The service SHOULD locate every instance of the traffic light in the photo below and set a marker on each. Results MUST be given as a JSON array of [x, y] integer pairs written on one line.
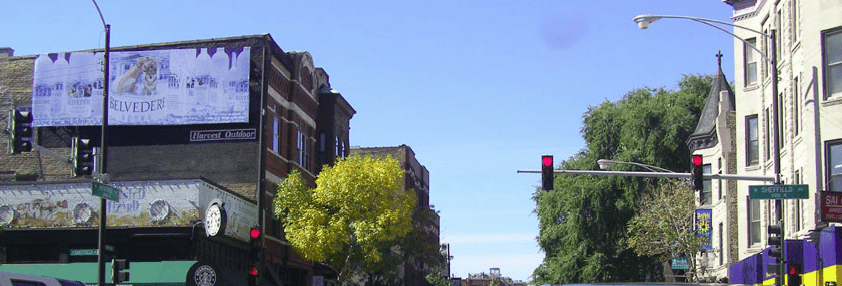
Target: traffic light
[[775, 241], [252, 276], [793, 272], [698, 173], [117, 267], [256, 250], [82, 157], [547, 172], [20, 131]]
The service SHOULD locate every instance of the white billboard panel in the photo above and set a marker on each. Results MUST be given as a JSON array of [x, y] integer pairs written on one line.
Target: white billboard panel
[[156, 87]]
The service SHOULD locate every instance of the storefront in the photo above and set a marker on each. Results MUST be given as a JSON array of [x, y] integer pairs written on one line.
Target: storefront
[[158, 226], [820, 261]]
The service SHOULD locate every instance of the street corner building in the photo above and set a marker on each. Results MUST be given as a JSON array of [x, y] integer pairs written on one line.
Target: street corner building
[[199, 133], [764, 125]]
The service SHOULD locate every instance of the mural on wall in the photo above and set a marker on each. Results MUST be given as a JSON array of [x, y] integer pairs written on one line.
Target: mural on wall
[[141, 204], [153, 87]]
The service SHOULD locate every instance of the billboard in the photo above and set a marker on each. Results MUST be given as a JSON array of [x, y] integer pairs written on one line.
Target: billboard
[[141, 204], [154, 87]]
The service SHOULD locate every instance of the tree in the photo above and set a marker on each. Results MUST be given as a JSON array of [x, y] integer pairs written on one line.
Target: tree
[[664, 226], [435, 279], [358, 209], [583, 222]]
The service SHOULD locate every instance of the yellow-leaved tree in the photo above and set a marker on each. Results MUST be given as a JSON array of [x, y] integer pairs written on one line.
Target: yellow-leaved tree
[[358, 208]]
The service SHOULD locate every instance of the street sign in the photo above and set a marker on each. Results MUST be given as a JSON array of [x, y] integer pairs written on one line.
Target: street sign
[[105, 191], [82, 252], [831, 206], [774, 192], [680, 263]]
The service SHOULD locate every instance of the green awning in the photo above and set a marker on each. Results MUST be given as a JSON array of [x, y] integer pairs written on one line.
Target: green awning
[[164, 273]]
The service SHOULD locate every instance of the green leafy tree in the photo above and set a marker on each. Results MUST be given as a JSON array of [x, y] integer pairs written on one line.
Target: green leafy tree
[[664, 226], [583, 223], [358, 209], [435, 279]]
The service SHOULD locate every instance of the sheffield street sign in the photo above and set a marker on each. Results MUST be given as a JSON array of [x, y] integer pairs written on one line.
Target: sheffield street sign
[[105, 191], [774, 192]]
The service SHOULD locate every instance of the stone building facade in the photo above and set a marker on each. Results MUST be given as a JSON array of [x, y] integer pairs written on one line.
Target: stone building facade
[[805, 38]]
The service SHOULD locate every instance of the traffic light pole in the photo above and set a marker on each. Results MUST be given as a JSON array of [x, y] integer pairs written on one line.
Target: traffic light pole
[[654, 174], [103, 151], [103, 207]]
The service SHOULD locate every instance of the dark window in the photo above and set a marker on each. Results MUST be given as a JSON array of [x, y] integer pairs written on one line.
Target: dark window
[[832, 52], [834, 165], [752, 141], [750, 61]]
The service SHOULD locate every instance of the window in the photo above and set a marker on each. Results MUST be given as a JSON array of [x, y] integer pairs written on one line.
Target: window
[[750, 61], [834, 166], [794, 21], [753, 221], [779, 36], [752, 142], [797, 204], [719, 187], [276, 135], [768, 136], [303, 148], [832, 50], [721, 245], [796, 109], [780, 121], [706, 195]]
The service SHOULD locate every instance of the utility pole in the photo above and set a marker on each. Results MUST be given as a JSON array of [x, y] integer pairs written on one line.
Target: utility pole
[[103, 207]]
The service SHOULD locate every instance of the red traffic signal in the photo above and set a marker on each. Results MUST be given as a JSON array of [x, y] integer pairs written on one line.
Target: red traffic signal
[[547, 172], [698, 179], [697, 160], [793, 269], [254, 233]]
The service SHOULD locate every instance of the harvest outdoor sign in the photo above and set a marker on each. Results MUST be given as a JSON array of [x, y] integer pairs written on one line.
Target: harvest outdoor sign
[[154, 87]]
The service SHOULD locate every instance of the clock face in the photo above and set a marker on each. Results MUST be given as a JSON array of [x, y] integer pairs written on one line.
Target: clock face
[[82, 213], [213, 220]]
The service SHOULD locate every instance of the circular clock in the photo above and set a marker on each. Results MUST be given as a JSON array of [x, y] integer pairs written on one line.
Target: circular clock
[[158, 211], [7, 214], [82, 213], [215, 218]]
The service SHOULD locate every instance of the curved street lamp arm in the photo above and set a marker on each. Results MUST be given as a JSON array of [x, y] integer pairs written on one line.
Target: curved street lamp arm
[[762, 54], [703, 20], [100, 14], [650, 167]]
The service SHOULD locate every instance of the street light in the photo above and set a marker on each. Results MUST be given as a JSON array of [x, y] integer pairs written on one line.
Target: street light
[[643, 22], [605, 163]]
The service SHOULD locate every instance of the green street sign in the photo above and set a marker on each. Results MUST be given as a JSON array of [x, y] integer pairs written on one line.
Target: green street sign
[[680, 263], [105, 191], [774, 192], [82, 252]]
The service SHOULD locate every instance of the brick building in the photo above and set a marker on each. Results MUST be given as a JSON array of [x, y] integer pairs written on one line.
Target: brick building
[[279, 115]]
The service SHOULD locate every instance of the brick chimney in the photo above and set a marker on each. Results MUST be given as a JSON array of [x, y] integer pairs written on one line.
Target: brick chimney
[[6, 52]]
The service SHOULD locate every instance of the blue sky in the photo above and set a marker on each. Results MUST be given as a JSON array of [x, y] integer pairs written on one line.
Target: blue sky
[[478, 89]]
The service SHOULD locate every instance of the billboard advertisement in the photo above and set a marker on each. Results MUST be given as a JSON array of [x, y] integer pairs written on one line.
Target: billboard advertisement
[[154, 87], [141, 204]]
